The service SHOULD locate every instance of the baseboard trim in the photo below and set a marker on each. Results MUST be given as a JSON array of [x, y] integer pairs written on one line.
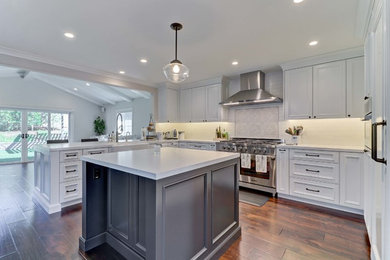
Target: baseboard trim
[[322, 204]]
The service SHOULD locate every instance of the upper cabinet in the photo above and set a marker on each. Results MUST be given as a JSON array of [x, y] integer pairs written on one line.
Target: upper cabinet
[[298, 93], [185, 105], [201, 104], [328, 90], [355, 87], [198, 104], [168, 101]]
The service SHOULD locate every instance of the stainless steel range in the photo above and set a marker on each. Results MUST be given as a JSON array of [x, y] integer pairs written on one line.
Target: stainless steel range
[[253, 150]]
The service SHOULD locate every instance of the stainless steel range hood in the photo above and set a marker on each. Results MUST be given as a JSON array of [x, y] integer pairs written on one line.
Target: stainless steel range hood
[[251, 91]]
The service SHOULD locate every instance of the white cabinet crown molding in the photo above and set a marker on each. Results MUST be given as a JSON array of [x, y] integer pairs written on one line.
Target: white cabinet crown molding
[[325, 58]]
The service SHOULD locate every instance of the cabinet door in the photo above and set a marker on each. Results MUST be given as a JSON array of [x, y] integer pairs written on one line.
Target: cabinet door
[[167, 104], [282, 171], [172, 105], [213, 96], [355, 87], [198, 104], [298, 85], [351, 180], [185, 105], [329, 90]]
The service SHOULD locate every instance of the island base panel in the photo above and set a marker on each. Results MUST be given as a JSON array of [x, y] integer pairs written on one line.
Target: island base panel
[[192, 215]]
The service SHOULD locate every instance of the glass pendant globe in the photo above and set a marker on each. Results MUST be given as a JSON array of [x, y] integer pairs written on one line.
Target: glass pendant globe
[[176, 72]]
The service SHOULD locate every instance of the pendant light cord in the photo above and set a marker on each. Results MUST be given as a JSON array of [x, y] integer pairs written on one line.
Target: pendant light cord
[[175, 43]]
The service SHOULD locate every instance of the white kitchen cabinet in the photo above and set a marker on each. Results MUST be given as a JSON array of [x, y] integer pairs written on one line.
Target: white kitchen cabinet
[[282, 171], [198, 104], [185, 105], [329, 90], [213, 96], [351, 180], [298, 93], [355, 87], [168, 101], [368, 191]]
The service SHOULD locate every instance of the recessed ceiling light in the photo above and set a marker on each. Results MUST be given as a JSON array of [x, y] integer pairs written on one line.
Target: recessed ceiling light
[[69, 35], [87, 84], [143, 60], [298, 1], [313, 43], [75, 89], [235, 63], [122, 72]]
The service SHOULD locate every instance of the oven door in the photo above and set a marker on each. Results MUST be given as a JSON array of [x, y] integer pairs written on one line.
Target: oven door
[[260, 178]]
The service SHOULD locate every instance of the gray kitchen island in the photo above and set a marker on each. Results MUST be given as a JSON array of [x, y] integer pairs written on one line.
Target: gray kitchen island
[[163, 203]]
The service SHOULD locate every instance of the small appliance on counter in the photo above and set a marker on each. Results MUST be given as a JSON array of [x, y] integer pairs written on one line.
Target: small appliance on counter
[[151, 129], [171, 135], [181, 135], [144, 133]]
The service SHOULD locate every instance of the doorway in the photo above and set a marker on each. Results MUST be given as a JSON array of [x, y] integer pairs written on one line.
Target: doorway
[[21, 130]]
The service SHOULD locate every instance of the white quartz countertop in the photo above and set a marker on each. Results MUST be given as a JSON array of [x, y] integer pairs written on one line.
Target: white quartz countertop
[[87, 145], [92, 145], [159, 165], [339, 148]]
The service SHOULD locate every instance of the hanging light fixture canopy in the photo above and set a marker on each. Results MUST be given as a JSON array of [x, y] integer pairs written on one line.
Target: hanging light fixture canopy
[[176, 71]]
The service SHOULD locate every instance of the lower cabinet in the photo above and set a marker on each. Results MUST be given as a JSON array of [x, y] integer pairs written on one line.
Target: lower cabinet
[[339, 181], [310, 189], [351, 180], [282, 168]]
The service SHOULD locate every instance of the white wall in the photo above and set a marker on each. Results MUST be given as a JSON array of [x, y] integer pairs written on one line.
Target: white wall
[[201, 131], [30, 93], [141, 108]]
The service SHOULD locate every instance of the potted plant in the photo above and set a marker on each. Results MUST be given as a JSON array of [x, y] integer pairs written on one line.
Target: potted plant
[[99, 126], [295, 132]]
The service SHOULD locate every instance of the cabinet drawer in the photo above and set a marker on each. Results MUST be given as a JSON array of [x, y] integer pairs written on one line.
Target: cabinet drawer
[[323, 172], [70, 155], [95, 151], [315, 155], [70, 170], [325, 192], [70, 191]]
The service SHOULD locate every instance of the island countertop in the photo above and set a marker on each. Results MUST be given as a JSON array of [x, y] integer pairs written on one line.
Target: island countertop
[[159, 165]]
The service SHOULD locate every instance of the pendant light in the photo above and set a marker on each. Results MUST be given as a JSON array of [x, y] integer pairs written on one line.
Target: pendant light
[[176, 71]]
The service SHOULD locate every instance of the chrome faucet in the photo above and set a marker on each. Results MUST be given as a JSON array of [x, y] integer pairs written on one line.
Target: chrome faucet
[[119, 129]]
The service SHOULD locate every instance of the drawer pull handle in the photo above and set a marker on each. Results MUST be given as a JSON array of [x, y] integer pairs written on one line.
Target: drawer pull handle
[[312, 155], [312, 190], [71, 190], [282, 150], [92, 153], [70, 171], [71, 155], [308, 170]]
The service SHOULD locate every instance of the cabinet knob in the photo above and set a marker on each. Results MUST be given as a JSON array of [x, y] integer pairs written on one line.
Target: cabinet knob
[[309, 116], [314, 116], [349, 115]]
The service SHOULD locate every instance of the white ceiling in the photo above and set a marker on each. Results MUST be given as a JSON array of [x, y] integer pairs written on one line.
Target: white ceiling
[[96, 93], [114, 35]]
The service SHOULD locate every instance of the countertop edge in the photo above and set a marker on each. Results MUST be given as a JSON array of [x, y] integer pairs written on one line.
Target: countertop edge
[[324, 148], [159, 175]]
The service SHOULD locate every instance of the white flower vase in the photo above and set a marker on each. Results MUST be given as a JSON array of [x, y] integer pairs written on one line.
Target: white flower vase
[[295, 139]]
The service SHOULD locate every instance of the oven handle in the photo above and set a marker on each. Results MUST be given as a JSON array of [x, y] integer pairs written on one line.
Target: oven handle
[[374, 142]]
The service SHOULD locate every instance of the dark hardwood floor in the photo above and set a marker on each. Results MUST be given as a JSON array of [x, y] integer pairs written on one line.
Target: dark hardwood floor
[[281, 229]]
